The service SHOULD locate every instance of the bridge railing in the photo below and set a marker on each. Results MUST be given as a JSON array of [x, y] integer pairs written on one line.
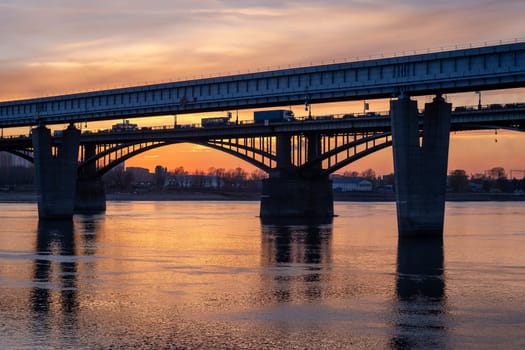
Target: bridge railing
[[459, 110]]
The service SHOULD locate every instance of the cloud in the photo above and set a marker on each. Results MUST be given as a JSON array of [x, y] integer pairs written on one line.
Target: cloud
[[64, 45]]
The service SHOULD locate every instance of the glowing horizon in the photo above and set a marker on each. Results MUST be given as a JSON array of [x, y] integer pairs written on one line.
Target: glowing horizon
[[53, 47]]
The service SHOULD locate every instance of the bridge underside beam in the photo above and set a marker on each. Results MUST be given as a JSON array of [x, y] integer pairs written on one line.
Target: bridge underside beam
[[420, 170]]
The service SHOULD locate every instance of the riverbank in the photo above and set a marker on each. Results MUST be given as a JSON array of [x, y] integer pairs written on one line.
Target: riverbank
[[450, 197], [17, 197], [28, 197]]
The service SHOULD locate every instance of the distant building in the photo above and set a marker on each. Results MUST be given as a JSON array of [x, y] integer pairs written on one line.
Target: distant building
[[475, 187], [140, 174], [161, 171], [185, 181], [350, 184], [161, 176]]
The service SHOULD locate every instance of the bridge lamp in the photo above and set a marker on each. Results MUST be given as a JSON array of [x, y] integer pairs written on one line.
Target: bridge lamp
[[479, 99], [307, 106]]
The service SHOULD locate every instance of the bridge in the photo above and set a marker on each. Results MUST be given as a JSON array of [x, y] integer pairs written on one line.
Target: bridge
[[297, 155]]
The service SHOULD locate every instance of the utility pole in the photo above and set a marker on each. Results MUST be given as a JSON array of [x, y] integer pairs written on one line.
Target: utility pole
[[517, 171]]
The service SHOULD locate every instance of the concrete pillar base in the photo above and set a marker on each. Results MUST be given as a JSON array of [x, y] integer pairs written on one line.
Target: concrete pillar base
[[55, 174], [90, 196], [420, 168], [296, 199]]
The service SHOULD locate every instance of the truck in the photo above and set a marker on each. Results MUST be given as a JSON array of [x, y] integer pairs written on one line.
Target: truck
[[124, 126], [216, 121], [274, 115]]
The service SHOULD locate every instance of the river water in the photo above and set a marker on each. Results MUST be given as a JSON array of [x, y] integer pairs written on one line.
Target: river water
[[208, 275]]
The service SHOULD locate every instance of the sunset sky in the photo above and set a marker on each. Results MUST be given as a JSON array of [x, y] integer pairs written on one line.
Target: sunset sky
[[56, 47]]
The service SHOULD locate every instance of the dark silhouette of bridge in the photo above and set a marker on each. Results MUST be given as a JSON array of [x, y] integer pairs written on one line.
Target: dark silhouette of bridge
[[342, 139], [299, 155]]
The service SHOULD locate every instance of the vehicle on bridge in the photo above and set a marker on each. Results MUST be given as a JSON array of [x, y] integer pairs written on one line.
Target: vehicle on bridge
[[124, 126], [275, 115], [216, 121], [324, 117]]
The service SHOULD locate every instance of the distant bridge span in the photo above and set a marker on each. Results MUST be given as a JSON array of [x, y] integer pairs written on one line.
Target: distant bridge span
[[483, 68], [345, 140]]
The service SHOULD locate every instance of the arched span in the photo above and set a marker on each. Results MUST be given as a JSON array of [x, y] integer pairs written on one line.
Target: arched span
[[244, 157], [260, 157], [517, 128], [339, 156], [24, 154], [356, 156], [113, 163], [138, 148]]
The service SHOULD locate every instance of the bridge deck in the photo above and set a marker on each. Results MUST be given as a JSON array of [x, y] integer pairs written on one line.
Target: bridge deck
[[484, 68], [509, 117]]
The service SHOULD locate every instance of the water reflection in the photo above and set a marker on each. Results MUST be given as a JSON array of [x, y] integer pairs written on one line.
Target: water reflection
[[55, 247], [55, 269], [301, 254], [89, 228], [420, 291]]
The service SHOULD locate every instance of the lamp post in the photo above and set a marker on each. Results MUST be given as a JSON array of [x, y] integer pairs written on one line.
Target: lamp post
[[479, 99], [307, 106]]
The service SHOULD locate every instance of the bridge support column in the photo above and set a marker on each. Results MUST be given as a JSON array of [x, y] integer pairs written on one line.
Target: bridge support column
[[90, 193], [284, 152], [90, 196], [290, 196], [55, 174], [420, 170], [296, 198]]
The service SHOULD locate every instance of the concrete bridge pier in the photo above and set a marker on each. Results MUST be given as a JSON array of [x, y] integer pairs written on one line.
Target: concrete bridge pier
[[420, 168], [289, 195], [55, 172], [90, 192], [90, 196]]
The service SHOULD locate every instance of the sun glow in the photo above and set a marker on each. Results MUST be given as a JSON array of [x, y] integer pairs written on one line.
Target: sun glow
[[94, 45]]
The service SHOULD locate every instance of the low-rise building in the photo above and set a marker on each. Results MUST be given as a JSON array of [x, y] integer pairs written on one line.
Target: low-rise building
[[350, 184]]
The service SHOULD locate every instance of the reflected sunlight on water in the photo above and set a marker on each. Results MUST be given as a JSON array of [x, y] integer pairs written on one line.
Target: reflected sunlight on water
[[199, 275]]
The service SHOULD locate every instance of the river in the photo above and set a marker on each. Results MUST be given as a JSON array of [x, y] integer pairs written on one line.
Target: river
[[208, 275]]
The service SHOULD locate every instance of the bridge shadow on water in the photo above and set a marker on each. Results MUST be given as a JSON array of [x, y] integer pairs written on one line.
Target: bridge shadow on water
[[303, 247], [420, 309], [299, 258], [54, 299]]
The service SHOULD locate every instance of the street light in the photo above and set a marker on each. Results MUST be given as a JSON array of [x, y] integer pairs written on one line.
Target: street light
[[307, 106], [479, 99]]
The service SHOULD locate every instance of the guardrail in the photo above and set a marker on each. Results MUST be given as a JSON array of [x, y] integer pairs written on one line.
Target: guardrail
[[308, 119]]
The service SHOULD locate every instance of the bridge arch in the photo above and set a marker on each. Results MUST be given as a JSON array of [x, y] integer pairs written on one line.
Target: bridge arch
[[109, 156], [24, 154], [338, 150], [259, 152]]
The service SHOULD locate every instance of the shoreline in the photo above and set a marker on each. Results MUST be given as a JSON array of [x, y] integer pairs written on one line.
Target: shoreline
[[31, 197]]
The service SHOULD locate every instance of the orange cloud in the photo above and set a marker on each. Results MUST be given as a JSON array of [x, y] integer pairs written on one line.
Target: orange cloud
[[54, 48]]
